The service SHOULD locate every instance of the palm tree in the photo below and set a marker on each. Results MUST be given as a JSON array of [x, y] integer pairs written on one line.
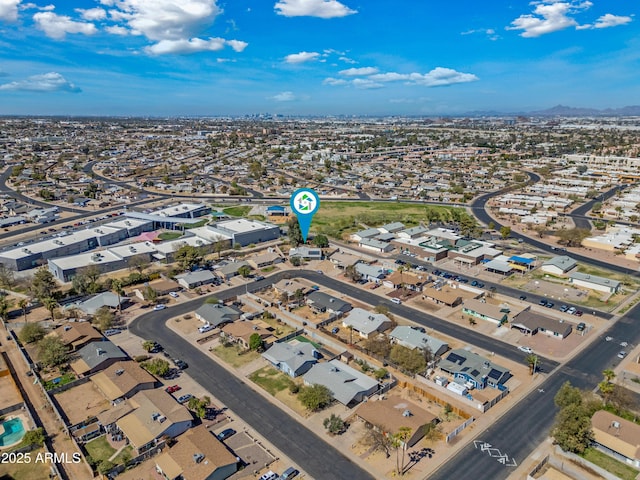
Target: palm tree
[[50, 304], [532, 361], [116, 286], [399, 442], [23, 303], [608, 375]]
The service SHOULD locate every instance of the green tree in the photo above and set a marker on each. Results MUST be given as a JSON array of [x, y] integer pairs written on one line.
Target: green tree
[[321, 241], [156, 366], [103, 318], [188, 257], [315, 397], [409, 360], [5, 306], [505, 232], [148, 345], [295, 235], [52, 352], [572, 237], [295, 261], [32, 332], [50, 304], [399, 442], [43, 284], [351, 273], [244, 271], [606, 386], [531, 360], [105, 466], [116, 287], [334, 424], [199, 406], [149, 293], [567, 395], [572, 429], [380, 373], [255, 341], [34, 437], [7, 278]]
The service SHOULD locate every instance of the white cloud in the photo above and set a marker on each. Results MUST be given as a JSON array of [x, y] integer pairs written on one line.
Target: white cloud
[[334, 81], [366, 83], [57, 26], [347, 60], [312, 8], [284, 97], [548, 16], [48, 82], [356, 72], [9, 10], [92, 14], [117, 30], [194, 45], [438, 77], [610, 20], [301, 57]]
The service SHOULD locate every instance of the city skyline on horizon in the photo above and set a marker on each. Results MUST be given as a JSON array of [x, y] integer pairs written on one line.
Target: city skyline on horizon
[[314, 57]]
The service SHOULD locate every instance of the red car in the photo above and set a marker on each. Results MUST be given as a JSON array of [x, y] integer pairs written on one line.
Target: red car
[[173, 388]]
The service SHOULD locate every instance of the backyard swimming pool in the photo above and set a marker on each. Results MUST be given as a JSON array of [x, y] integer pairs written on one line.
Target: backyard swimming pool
[[11, 431]]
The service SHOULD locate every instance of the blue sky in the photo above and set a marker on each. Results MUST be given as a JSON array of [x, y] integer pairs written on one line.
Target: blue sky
[[320, 57]]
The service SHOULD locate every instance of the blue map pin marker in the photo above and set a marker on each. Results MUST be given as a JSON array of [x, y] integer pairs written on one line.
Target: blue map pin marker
[[304, 203]]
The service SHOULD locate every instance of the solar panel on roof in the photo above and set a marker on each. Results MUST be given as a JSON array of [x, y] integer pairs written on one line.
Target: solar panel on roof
[[454, 357], [475, 373], [495, 374]]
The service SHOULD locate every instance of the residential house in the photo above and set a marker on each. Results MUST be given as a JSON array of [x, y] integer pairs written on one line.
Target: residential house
[[264, 260], [217, 314], [230, 270], [290, 287], [393, 412], [293, 358], [414, 337], [123, 380], [366, 323], [486, 311], [370, 273], [306, 253], [76, 335], [594, 282], [96, 356], [240, 332], [616, 437], [109, 300], [323, 302], [155, 414], [560, 265], [343, 260], [469, 367], [196, 454], [443, 296], [195, 279], [530, 322], [347, 385], [407, 280]]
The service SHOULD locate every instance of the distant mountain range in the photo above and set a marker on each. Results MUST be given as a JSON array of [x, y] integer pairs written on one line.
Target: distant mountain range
[[564, 111]]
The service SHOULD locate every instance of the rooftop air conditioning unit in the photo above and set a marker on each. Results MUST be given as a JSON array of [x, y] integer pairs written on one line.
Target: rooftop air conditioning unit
[[120, 371], [615, 424]]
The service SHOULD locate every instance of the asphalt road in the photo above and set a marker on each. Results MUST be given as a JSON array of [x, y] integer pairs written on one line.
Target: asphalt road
[[265, 417], [529, 422]]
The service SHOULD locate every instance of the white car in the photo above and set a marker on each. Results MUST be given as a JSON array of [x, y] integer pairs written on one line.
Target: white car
[[524, 349], [159, 307], [173, 294], [206, 328]]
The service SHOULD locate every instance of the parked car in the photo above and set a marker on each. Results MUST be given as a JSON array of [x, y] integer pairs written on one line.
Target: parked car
[[181, 364], [269, 476], [572, 310], [160, 306], [174, 294], [549, 305], [563, 308], [289, 473], [622, 354], [523, 297], [335, 330], [223, 435], [542, 302], [206, 328], [474, 283], [397, 301], [111, 331], [578, 313], [172, 388], [480, 285], [185, 398], [257, 278], [581, 326], [524, 349]]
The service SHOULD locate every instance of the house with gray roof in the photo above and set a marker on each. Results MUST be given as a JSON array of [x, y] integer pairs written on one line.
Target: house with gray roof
[[559, 265], [470, 367], [293, 358], [230, 270], [347, 385], [392, 227], [104, 299], [370, 272], [375, 245], [217, 314], [362, 234], [594, 282], [196, 279], [323, 302], [366, 323], [306, 253], [531, 322], [413, 232], [413, 337], [97, 356]]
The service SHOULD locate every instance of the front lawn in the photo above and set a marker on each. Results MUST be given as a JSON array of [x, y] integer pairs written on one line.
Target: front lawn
[[271, 380], [611, 465], [59, 381], [234, 356]]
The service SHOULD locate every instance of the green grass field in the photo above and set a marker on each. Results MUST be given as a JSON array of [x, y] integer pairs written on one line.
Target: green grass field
[[169, 235], [239, 211], [271, 380], [234, 356], [99, 449], [611, 465]]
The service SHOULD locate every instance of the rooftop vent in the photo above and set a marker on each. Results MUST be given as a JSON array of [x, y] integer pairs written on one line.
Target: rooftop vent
[[67, 328], [615, 424], [198, 457], [100, 351], [407, 413], [155, 416], [120, 371]]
